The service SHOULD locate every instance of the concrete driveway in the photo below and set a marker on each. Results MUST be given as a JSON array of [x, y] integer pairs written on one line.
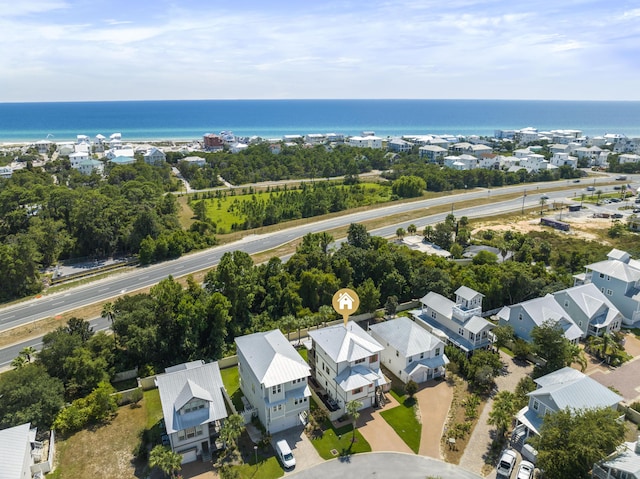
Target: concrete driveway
[[434, 400], [301, 447], [377, 432], [626, 378]]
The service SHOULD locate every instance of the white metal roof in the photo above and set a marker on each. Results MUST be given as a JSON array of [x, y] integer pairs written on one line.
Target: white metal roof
[[406, 336], [13, 450], [345, 343], [179, 387], [272, 358]]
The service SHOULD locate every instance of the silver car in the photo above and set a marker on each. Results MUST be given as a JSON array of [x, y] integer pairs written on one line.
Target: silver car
[[525, 470]]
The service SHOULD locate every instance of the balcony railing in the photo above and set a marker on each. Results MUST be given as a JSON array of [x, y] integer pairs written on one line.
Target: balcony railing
[[464, 314]]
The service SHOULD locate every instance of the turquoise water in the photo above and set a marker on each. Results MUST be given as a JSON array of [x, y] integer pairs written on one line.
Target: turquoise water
[[187, 120]]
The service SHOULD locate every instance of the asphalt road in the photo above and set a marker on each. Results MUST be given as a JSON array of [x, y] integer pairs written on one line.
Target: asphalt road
[[385, 465], [119, 284]]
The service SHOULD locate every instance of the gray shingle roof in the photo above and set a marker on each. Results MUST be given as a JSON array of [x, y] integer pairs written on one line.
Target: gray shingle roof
[[406, 336], [272, 358], [345, 343], [13, 448], [179, 387]]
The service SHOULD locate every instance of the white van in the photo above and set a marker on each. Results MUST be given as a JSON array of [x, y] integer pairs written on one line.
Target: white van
[[285, 454]]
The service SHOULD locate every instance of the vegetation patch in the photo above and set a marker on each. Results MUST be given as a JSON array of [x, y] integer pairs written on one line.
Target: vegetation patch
[[404, 421], [327, 439], [231, 381]]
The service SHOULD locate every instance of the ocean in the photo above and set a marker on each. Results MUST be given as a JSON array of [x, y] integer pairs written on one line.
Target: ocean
[[189, 120]]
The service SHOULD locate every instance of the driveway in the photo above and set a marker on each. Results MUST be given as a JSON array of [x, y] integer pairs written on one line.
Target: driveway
[[626, 378], [479, 444], [377, 432], [304, 452], [434, 400], [385, 465]]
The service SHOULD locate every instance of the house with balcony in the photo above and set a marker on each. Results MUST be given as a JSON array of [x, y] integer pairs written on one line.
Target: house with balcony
[[525, 316], [433, 153], [273, 378], [154, 156], [589, 309], [458, 322], [345, 366], [193, 407], [398, 145], [618, 278], [624, 463], [366, 141], [566, 388], [410, 351]]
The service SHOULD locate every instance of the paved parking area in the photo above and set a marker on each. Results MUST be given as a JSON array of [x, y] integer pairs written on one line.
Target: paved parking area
[[301, 447], [626, 378]]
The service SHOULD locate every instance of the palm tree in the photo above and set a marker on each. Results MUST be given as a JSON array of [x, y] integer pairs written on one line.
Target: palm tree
[[28, 352], [505, 406], [576, 355], [166, 460], [108, 312], [18, 362], [232, 429], [353, 410], [288, 323], [428, 232], [598, 195], [543, 201], [400, 232], [582, 197], [411, 229], [326, 314]]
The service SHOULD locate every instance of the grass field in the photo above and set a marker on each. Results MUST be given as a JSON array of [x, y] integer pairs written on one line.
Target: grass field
[[403, 419], [224, 210], [231, 381], [338, 442]]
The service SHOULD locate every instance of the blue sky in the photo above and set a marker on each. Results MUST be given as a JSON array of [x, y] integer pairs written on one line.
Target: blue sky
[[75, 50]]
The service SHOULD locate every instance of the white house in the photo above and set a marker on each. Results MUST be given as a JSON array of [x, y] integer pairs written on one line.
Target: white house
[[433, 153], [457, 322], [410, 351], [462, 162], [22, 456], [6, 171], [399, 145], [154, 156], [564, 159], [112, 153], [618, 278], [624, 463], [273, 378], [628, 158], [89, 166], [193, 407], [366, 141], [345, 364], [566, 388]]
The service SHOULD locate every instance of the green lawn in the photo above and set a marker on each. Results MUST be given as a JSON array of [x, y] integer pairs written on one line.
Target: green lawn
[[303, 352], [339, 440], [268, 468], [153, 406], [231, 381], [404, 422]]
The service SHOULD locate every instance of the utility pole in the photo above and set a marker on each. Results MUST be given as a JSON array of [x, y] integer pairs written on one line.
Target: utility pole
[[523, 198]]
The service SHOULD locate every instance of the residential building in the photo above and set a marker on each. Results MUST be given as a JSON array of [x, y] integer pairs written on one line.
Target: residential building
[[273, 378], [589, 309], [566, 388], [410, 351], [22, 456], [419, 243], [154, 157], [628, 158], [193, 407], [6, 171], [433, 153], [213, 142], [524, 316], [462, 162], [345, 365], [564, 159], [238, 147], [618, 277], [465, 148], [314, 138], [366, 141], [624, 463], [114, 153], [399, 145], [194, 160], [89, 166], [456, 322]]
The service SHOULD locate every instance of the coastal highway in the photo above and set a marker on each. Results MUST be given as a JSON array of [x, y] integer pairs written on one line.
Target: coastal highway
[[118, 284]]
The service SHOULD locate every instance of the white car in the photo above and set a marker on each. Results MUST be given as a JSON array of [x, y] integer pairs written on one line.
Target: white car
[[525, 470], [506, 464], [285, 454]]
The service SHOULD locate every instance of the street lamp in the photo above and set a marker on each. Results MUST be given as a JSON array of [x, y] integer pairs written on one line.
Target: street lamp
[[255, 450]]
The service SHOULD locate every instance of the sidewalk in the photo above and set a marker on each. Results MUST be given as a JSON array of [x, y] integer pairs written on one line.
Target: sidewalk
[[473, 458]]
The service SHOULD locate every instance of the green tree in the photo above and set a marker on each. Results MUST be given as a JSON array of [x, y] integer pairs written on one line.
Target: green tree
[[29, 394], [503, 335], [505, 406], [358, 236], [369, 296], [550, 344], [232, 429], [400, 233], [353, 410], [391, 306], [411, 388], [411, 229], [408, 186], [166, 460], [571, 442]]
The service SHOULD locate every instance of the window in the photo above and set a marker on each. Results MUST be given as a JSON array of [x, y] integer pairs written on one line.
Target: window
[[373, 358], [609, 292], [602, 275], [433, 314], [437, 351], [421, 355], [360, 361], [608, 278], [356, 391], [566, 303], [484, 334], [520, 316], [461, 331], [397, 354], [472, 336], [535, 405]]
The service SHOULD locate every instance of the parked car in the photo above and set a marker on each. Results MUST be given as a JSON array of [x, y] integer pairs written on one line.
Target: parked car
[[636, 210], [591, 188], [621, 178], [617, 215], [285, 454], [506, 464], [525, 470]]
